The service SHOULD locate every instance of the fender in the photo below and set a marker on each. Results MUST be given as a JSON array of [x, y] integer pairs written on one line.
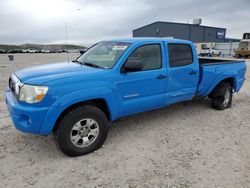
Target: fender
[[76, 97], [221, 78]]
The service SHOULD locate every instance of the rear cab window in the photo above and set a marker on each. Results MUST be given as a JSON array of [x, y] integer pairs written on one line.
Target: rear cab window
[[179, 55]]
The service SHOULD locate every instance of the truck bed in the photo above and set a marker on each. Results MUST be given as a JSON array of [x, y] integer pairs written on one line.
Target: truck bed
[[212, 71], [207, 61]]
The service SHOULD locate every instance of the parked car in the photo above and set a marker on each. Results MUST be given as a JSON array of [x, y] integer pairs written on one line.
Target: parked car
[[45, 51], [2, 51], [77, 100], [210, 52], [30, 50], [82, 51], [55, 51], [13, 51]]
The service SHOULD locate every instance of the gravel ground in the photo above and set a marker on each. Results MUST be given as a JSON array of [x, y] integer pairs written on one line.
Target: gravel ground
[[184, 145]]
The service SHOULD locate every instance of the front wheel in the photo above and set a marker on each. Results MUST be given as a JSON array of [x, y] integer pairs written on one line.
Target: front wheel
[[82, 130], [222, 96]]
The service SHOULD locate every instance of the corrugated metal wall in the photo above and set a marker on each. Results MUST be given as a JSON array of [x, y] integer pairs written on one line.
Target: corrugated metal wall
[[227, 49], [195, 33]]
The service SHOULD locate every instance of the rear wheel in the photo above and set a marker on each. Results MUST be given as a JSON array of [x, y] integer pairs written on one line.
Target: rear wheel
[[237, 56], [222, 96], [82, 130]]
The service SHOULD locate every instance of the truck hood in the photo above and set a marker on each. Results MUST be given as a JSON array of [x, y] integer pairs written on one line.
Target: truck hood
[[40, 74]]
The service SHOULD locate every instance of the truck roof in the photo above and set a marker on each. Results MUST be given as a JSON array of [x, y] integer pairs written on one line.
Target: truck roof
[[143, 39]]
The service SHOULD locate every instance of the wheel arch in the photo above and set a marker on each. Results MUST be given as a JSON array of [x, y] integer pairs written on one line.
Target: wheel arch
[[230, 80], [100, 97], [100, 103]]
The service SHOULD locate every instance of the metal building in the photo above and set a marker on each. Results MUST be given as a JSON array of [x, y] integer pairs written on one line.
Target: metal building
[[194, 32]]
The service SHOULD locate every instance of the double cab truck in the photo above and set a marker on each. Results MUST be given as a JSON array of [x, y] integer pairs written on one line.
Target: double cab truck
[[77, 100]]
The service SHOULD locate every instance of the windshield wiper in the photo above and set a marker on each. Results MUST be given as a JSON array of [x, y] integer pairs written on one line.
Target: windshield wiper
[[93, 65], [89, 64]]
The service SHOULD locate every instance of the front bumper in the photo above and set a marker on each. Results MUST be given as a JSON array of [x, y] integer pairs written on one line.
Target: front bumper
[[26, 118]]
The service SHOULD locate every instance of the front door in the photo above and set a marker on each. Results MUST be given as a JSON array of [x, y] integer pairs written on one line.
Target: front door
[[143, 89]]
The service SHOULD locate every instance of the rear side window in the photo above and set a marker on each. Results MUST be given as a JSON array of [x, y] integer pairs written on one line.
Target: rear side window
[[149, 55], [180, 55]]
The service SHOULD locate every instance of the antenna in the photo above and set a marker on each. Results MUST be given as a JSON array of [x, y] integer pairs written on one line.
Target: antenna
[[66, 32], [66, 35]]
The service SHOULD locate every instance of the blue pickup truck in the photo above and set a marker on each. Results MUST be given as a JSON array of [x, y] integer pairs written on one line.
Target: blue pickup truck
[[76, 100]]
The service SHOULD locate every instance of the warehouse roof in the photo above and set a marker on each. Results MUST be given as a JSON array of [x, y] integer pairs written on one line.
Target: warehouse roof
[[162, 22]]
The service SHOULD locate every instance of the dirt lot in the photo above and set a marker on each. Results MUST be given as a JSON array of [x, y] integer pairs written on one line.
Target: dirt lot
[[184, 145]]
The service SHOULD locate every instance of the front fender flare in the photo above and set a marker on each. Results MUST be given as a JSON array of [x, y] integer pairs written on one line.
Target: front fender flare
[[58, 107]]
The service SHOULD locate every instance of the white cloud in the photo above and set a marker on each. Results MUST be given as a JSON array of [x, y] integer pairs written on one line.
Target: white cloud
[[89, 21]]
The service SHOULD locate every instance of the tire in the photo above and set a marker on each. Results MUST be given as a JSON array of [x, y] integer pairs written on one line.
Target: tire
[[73, 132], [237, 56], [222, 96]]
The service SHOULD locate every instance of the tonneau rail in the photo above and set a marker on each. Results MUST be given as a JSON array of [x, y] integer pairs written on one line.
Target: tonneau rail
[[214, 61]]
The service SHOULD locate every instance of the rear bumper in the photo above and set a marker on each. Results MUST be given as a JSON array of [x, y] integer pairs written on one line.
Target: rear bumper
[[26, 118]]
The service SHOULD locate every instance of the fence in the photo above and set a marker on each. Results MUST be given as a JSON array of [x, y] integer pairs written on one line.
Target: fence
[[227, 49]]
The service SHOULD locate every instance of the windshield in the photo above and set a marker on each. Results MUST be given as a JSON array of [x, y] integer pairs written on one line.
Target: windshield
[[243, 44], [103, 54]]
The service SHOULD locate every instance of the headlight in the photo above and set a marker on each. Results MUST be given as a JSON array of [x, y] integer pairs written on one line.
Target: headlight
[[32, 94]]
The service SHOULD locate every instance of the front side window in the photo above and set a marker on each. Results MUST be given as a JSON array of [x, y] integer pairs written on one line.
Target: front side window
[[180, 55], [104, 54], [149, 55]]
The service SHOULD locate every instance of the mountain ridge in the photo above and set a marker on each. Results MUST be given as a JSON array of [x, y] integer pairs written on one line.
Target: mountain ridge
[[41, 46]]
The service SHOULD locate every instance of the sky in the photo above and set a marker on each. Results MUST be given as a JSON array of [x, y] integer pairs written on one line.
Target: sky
[[89, 21]]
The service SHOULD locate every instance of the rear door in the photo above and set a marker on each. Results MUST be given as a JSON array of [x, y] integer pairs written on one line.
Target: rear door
[[183, 73], [144, 89]]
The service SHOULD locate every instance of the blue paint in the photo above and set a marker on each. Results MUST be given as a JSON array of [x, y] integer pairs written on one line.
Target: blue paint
[[124, 93]]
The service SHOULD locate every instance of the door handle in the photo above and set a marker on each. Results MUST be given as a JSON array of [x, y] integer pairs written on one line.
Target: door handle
[[161, 76], [192, 72]]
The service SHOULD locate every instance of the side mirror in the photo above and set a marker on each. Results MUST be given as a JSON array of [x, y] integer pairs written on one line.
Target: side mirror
[[132, 66]]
